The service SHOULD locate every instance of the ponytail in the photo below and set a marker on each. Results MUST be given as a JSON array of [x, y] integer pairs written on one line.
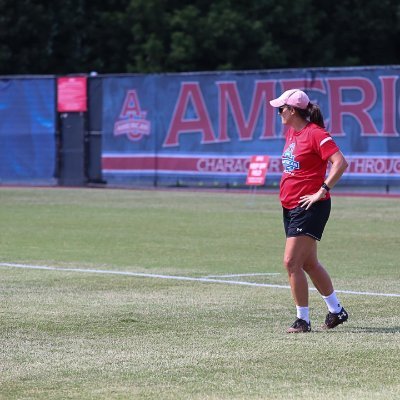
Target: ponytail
[[315, 115]]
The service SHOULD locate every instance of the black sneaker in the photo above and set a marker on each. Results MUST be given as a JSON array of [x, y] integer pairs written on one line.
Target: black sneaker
[[299, 326], [332, 320]]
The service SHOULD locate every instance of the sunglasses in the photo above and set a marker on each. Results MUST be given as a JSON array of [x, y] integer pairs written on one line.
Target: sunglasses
[[280, 109]]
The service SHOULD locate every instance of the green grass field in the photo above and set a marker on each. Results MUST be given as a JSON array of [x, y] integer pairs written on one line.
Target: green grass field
[[83, 335]]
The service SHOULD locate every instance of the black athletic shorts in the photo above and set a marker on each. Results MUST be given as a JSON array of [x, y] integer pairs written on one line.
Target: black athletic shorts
[[311, 222]]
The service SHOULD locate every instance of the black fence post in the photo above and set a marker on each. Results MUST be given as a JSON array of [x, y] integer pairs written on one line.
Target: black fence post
[[72, 149], [94, 131]]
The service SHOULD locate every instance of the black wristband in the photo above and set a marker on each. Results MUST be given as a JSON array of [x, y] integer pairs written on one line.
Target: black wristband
[[326, 187]]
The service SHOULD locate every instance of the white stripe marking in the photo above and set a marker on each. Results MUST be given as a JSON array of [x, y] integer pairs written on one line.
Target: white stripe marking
[[325, 140], [238, 275], [181, 278]]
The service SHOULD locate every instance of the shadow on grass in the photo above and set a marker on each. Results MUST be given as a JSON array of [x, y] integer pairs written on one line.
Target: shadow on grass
[[130, 321]]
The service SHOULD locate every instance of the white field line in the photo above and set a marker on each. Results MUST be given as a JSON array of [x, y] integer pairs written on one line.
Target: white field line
[[241, 275], [180, 278]]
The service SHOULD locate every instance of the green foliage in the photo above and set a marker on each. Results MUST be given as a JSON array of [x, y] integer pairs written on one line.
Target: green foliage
[[118, 36]]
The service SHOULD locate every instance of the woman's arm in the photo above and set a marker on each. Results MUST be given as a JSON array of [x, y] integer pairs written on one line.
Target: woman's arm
[[339, 165]]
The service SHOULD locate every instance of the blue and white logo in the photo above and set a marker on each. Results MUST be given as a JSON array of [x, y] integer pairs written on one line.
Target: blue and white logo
[[288, 161]]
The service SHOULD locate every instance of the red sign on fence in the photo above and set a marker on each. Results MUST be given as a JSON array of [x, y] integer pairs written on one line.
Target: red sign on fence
[[71, 94], [257, 170]]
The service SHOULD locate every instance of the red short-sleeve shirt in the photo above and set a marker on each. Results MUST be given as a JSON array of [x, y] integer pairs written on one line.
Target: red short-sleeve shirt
[[305, 160]]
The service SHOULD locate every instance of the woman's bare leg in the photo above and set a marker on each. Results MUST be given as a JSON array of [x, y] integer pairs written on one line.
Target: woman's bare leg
[[297, 250], [318, 274]]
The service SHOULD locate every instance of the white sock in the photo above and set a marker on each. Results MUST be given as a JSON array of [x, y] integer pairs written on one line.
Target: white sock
[[333, 303], [303, 313]]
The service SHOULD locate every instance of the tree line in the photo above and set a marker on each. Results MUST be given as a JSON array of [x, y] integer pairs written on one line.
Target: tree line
[[154, 36]]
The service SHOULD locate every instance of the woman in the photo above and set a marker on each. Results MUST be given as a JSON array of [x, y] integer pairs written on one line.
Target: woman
[[305, 198]]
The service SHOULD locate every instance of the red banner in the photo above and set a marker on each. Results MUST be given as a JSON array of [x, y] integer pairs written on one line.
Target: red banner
[[237, 165], [257, 170], [71, 94]]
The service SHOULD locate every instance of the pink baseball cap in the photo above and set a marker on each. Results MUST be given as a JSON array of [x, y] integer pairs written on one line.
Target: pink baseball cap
[[293, 97]]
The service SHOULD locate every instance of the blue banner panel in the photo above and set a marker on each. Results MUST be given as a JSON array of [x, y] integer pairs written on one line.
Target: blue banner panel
[[203, 127], [27, 130]]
